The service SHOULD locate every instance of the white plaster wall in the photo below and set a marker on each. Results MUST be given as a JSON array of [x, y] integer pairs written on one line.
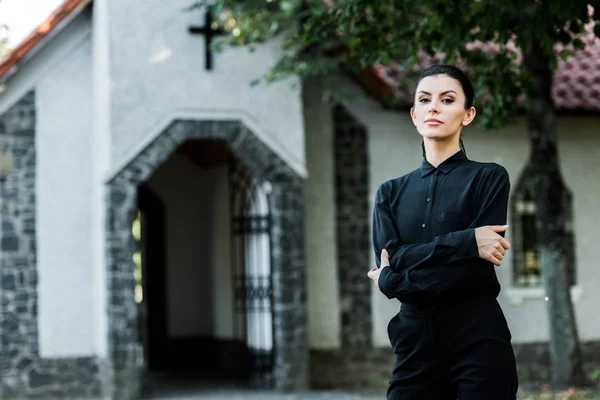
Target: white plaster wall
[[67, 85], [43, 61], [394, 148], [101, 157], [324, 323], [197, 243], [63, 178], [157, 74]]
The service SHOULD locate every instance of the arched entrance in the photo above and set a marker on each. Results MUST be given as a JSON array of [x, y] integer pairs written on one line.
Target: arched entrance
[[269, 271]]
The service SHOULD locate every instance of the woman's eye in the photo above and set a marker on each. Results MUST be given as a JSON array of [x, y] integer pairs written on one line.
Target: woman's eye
[[448, 101], [424, 100]]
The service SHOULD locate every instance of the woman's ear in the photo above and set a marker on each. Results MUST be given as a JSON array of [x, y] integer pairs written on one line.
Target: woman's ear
[[469, 116], [412, 116]]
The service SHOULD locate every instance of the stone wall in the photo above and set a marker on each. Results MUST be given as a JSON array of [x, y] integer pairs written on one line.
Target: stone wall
[[360, 370], [370, 371], [357, 365], [353, 235], [22, 372], [287, 240]]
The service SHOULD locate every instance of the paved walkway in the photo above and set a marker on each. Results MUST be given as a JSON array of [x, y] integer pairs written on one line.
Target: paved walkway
[[229, 394], [177, 387]]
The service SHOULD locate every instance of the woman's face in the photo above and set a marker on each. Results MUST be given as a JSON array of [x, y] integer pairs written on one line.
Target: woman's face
[[439, 109]]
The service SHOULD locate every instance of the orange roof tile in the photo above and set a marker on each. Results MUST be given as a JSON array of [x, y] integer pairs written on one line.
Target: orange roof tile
[[13, 57]]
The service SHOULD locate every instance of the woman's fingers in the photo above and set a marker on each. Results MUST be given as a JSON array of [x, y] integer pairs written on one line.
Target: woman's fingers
[[492, 258], [492, 246], [501, 250], [385, 261], [374, 275], [504, 243]]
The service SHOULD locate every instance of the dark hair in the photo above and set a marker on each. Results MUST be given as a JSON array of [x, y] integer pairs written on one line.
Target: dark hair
[[462, 79], [455, 73]]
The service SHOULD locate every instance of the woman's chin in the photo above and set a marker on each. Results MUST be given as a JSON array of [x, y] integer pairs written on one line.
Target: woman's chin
[[436, 135]]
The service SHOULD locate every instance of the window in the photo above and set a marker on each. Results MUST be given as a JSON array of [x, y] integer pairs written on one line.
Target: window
[[527, 268]]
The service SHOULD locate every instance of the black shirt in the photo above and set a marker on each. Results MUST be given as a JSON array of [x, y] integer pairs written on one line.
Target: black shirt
[[426, 221]]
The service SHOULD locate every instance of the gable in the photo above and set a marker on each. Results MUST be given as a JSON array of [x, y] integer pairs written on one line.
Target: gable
[[36, 39]]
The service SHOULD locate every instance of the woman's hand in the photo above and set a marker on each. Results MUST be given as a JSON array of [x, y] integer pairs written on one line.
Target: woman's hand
[[374, 273], [492, 247]]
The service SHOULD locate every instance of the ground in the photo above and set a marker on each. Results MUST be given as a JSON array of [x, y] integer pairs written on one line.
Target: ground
[[568, 395], [175, 387], [235, 394], [258, 395], [226, 394]]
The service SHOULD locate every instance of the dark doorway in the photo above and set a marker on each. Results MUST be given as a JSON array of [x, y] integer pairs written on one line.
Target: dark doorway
[[151, 277], [204, 316]]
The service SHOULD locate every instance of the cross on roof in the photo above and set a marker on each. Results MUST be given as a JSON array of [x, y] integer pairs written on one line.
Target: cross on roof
[[209, 34]]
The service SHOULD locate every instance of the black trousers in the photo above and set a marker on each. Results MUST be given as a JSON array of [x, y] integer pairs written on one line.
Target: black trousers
[[458, 350]]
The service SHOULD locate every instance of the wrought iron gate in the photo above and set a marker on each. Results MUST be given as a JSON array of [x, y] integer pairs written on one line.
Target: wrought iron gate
[[251, 262]]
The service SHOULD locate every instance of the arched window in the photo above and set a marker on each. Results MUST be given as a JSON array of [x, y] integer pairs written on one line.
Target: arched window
[[527, 268]]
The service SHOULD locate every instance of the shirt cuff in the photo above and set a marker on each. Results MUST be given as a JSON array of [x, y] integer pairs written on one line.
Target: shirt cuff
[[383, 282], [463, 242]]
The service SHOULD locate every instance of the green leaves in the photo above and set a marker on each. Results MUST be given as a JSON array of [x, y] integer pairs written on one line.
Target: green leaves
[[324, 37]]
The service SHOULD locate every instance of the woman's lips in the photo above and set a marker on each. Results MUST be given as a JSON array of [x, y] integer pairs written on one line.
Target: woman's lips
[[433, 122]]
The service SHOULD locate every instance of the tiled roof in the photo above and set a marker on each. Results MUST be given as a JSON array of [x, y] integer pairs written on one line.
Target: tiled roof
[[68, 7], [576, 83], [577, 80]]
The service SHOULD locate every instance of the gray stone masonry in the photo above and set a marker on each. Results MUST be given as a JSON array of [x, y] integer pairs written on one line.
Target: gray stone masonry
[[353, 235], [287, 210], [23, 374]]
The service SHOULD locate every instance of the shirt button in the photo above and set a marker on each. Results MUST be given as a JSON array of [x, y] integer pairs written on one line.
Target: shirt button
[[423, 225], [428, 199]]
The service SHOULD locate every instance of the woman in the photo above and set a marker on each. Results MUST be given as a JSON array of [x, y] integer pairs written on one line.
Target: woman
[[438, 233]]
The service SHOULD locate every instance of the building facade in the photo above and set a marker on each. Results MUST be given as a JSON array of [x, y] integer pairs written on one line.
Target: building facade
[[151, 202]]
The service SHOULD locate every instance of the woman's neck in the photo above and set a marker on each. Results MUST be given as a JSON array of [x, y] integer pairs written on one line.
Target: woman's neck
[[437, 152]]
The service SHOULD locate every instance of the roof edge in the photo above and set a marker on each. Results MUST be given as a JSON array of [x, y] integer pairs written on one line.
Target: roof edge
[[67, 10]]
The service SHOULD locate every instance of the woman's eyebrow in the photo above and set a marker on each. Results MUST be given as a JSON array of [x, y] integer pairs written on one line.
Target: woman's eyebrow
[[443, 93]]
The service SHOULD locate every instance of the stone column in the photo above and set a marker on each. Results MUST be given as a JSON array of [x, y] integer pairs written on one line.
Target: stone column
[[289, 291], [353, 235]]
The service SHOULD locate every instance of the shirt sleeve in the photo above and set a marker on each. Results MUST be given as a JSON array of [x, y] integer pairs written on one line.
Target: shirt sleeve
[[443, 249], [492, 196]]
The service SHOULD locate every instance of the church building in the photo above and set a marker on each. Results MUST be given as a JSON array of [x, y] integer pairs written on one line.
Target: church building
[[162, 215]]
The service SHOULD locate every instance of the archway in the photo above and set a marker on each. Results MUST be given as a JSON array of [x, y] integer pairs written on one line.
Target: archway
[[286, 236]]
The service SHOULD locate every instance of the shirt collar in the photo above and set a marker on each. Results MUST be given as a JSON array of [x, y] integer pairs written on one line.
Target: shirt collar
[[448, 165]]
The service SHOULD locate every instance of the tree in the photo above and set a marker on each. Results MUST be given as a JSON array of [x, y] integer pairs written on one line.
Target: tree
[[511, 49]]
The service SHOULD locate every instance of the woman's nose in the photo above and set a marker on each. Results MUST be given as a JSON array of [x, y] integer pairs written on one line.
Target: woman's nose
[[433, 107]]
